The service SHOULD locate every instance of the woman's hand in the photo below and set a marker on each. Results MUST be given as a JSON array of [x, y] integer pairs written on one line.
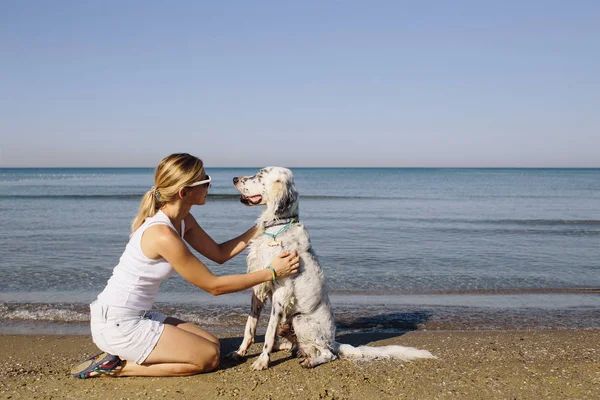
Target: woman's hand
[[286, 264]]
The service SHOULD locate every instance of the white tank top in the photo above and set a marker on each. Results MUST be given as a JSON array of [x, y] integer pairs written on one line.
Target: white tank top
[[135, 280]]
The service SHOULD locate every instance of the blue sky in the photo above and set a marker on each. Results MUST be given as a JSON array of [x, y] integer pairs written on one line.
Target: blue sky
[[301, 83]]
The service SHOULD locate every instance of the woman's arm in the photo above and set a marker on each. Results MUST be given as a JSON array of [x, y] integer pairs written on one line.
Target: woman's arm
[[162, 241], [205, 245]]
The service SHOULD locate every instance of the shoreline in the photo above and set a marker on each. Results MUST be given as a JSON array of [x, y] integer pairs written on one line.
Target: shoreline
[[376, 316], [532, 364]]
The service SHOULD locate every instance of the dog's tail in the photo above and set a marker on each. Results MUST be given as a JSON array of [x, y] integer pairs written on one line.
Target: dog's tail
[[381, 352]]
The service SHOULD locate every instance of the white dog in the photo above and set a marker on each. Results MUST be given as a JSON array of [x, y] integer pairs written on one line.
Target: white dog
[[299, 303]]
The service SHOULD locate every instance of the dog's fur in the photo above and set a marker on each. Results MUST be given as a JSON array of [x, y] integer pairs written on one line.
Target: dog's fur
[[300, 303]]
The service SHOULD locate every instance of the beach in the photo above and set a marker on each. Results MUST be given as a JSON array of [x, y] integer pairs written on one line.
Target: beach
[[434, 167], [494, 271], [529, 364]]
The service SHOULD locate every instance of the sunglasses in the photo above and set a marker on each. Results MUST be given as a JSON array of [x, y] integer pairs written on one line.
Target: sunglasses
[[205, 182]]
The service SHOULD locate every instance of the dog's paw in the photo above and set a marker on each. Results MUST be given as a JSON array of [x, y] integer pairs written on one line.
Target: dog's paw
[[234, 355], [301, 354], [307, 363], [261, 364]]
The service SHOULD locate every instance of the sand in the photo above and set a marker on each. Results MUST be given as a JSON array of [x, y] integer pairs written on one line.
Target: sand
[[558, 364]]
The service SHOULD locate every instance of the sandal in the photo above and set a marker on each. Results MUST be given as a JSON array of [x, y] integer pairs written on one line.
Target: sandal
[[99, 364]]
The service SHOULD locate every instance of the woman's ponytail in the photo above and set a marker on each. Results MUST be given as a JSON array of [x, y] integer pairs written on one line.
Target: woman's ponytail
[[148, 208]]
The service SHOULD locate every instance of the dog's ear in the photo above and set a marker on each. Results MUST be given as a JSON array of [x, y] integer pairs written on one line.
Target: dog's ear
[[285, 198]]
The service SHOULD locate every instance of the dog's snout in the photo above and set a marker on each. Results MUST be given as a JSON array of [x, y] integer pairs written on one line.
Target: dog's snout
[[235, 180]]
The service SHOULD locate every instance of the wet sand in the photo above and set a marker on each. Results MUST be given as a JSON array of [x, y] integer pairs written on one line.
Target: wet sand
[[534, 364]]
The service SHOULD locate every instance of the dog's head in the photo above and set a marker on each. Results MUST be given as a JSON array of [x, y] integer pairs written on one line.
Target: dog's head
[[273, 187]]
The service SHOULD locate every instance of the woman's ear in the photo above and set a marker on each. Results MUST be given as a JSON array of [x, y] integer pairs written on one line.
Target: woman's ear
[[183, 192]]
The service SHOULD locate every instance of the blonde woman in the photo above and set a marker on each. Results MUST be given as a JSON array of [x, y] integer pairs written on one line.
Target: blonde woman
[[140, 342]]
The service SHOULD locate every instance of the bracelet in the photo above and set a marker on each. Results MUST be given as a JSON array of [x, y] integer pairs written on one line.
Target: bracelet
[[272, 273]]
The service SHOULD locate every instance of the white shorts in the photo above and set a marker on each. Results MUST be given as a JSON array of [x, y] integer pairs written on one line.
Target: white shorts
[[125, 332]]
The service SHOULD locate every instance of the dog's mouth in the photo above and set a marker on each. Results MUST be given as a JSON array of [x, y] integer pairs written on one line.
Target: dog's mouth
[[251, 200]]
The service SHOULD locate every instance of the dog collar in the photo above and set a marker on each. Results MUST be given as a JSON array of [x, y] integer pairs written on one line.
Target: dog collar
[[273, 236], [280, 222]]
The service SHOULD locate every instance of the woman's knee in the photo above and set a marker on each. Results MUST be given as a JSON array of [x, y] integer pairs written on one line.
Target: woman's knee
[[206, 356], [214, 356], [209, 362], [209, 359], [214, 364]]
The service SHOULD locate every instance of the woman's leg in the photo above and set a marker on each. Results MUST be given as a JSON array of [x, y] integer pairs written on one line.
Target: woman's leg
[[192, 329], [180, 351]]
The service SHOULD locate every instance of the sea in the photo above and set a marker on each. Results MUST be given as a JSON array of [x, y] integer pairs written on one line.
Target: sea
[[402, 248]]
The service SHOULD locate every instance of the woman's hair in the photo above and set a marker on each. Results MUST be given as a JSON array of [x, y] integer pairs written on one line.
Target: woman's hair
[[173, 173]]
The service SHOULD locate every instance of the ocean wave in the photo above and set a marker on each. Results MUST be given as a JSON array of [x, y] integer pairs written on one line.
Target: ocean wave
[[125, 196], [497, 291], [521, 231], [222, 316], [44, 312], [137, 196], [44, 178], [505, 221], [543, 222], [378, 316], [346, 304]]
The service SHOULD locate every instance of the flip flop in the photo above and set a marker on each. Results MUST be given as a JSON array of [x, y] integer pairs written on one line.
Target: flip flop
[[99, 364]]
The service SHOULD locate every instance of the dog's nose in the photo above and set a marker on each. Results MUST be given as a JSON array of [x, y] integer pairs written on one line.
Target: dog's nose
[[235, 180]]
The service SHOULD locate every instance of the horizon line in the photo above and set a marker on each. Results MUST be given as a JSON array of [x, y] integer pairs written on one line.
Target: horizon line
[[309, 167]]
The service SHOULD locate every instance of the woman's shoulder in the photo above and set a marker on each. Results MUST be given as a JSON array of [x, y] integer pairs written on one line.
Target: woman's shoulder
[[158, 223], [160, 230], [159, 235]]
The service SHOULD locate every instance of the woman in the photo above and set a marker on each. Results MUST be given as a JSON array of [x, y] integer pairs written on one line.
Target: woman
[[139, 342]]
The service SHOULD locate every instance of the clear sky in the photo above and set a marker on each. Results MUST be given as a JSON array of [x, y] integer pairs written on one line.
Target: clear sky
[[300, 83]]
